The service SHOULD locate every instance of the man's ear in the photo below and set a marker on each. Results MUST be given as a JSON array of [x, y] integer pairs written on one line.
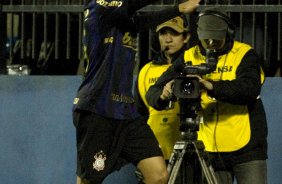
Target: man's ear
[[188, 36]]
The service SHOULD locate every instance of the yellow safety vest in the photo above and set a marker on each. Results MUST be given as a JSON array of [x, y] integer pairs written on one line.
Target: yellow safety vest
[[226, 127], [165, 123]]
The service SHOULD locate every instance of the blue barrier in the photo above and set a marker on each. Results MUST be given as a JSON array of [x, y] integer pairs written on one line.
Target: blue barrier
[[37, 137], [272, 98]]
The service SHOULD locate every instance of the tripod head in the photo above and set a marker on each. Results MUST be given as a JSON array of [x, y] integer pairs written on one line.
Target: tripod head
[[189, 150], [189, 118]]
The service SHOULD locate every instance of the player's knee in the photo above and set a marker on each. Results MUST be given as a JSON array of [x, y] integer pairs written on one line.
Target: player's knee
[[157, 178], [162, 178], [153, 170]]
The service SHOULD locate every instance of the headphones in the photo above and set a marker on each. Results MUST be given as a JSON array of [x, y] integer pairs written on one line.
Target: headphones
[[231, 29]]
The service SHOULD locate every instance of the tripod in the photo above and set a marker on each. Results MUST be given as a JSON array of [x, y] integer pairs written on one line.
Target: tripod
[[189, 151]]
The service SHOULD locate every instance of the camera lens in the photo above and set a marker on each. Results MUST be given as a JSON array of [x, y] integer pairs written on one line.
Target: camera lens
[[188, 87]]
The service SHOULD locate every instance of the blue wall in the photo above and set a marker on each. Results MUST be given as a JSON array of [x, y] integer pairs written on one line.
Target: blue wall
[[272, 99], [37, 137]]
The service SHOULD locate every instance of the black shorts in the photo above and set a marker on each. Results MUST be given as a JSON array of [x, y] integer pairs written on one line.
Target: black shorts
[[105, 145]]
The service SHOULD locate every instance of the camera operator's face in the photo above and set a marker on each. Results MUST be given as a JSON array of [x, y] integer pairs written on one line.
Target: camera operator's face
[[171, 41], [212, 44]]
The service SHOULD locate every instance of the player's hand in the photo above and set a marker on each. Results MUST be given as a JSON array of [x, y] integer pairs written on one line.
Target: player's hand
[[188, 6]]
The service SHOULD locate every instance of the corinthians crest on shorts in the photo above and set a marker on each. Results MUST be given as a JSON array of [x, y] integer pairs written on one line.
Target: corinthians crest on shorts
[[99, 161]]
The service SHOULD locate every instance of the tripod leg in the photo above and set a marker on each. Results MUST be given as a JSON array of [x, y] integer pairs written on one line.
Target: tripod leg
[[207, 170], [176, 160]]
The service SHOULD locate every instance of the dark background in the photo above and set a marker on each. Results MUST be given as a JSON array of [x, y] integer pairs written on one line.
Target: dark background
[[47, 34]]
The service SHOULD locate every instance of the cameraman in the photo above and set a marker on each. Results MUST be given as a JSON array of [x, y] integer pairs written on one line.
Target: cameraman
[[234, 131], [173, 36]]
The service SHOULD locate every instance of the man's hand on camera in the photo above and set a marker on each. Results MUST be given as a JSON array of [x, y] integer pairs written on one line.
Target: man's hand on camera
[[167, 91], [207, 84], [188, 6]]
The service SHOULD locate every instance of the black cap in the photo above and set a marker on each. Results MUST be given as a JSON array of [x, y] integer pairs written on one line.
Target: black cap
[[211, 25]]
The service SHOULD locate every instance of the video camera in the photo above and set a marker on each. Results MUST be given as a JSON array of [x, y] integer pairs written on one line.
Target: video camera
[[189, 87]]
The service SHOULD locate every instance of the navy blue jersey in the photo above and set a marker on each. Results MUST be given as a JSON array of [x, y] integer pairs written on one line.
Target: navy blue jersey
[[110, 38]]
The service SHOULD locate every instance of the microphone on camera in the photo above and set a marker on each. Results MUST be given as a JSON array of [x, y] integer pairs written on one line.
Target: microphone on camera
[[211, 59], [211, 56]]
